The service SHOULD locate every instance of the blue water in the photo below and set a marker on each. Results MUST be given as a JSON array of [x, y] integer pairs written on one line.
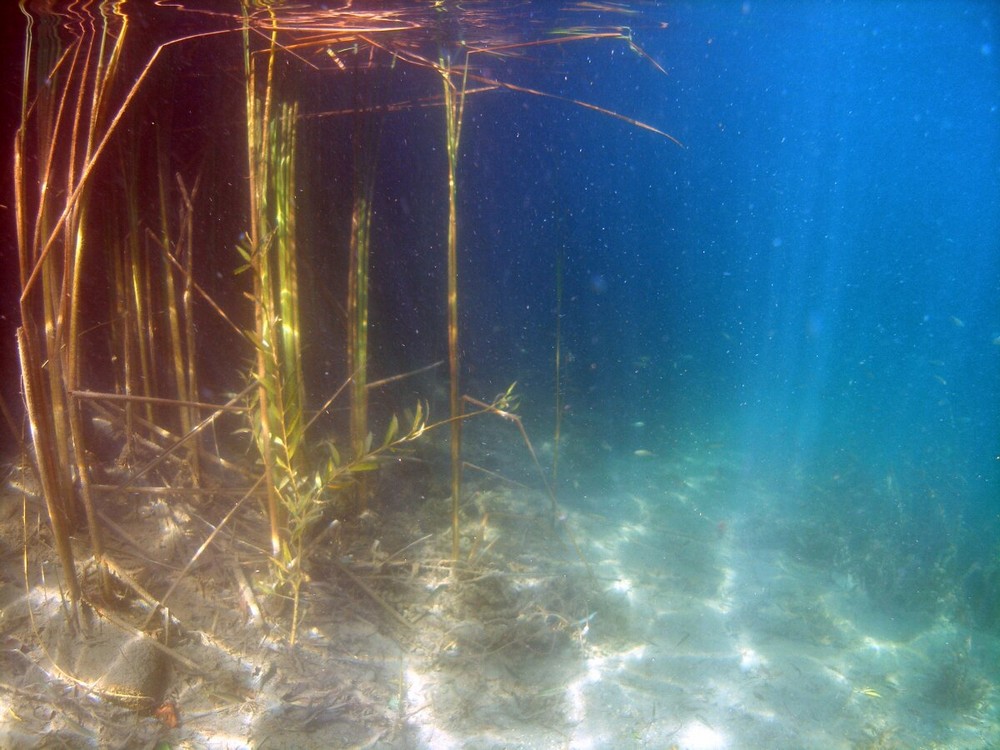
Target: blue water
[[811, 281]]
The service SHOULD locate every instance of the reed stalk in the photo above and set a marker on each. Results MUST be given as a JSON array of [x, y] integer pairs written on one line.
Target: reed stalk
[[177, 256], [283, 153], [45, 462], [187, 296], [105, 64], [364, 149], [64, 122], [294, 489], [179, 354], [454, 107], [557, 366], [135, 328], [120, 330], [256, 254]]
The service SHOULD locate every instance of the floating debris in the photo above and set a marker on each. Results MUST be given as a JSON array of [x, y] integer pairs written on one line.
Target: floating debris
[[643, 453]]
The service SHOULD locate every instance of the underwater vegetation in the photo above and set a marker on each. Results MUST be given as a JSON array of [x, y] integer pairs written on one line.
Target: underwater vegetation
[[904, 561], [166, 355], [268, 485], [955, 684]]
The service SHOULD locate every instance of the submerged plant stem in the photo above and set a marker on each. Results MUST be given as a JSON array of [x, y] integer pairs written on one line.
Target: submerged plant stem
[[454, 105]]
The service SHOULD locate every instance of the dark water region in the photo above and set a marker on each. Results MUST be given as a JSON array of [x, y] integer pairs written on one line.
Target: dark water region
[[762, 239]]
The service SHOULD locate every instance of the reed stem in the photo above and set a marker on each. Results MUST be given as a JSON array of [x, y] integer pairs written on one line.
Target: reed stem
[[364, 148], [558, 371], [454, 106]]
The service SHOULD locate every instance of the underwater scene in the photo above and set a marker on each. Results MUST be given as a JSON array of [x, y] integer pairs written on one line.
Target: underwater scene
[[500, 375]]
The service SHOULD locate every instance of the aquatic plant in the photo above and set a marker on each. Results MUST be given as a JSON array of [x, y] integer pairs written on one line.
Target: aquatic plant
[[955, 683], [454, 107], [88, 85], [364, 147], [167, 335], [66, 112]]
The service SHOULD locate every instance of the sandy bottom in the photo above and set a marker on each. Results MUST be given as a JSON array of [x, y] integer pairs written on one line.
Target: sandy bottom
[[670, 614]]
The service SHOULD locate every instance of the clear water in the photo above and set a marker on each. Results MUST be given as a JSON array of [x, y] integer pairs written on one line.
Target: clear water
[[787, 321]]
